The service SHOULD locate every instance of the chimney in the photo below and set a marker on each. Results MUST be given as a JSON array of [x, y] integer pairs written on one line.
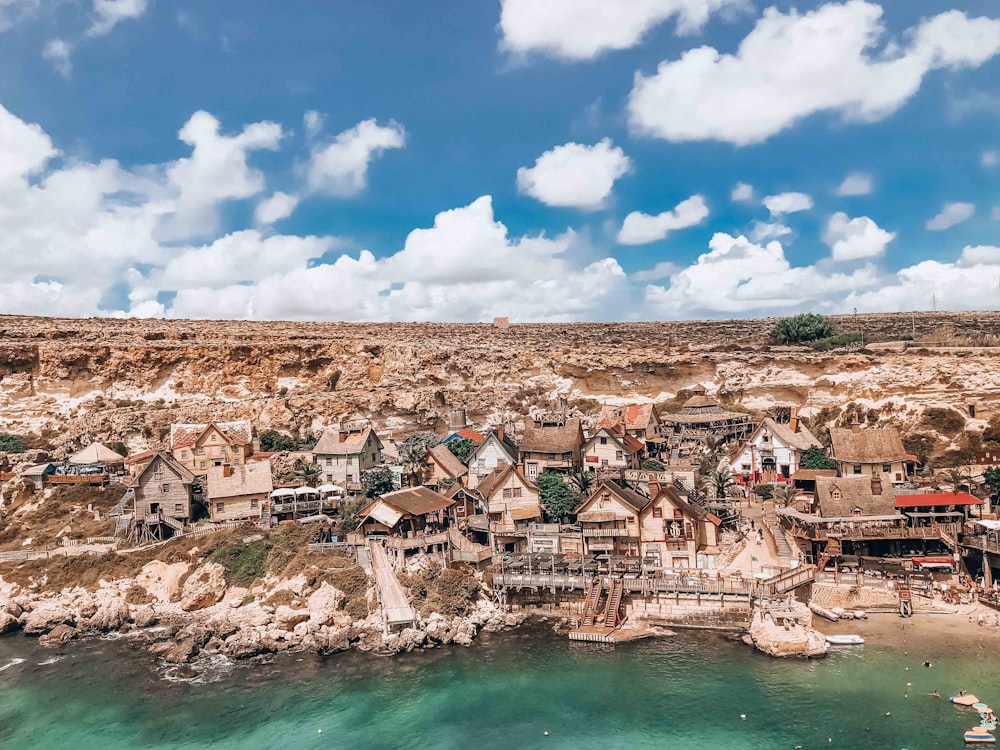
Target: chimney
[[855, 426], [876, 484], [500, 432], [793, 423]]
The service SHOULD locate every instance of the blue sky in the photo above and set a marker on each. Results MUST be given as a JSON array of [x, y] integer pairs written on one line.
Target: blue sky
[[542, 159]]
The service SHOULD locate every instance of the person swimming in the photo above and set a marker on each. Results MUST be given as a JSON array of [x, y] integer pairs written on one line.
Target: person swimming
[[936, 694], [929, 665]]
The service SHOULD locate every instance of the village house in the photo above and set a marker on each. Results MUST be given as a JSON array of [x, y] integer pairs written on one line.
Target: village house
[[200, 446], [442, 466], [641, 421], [239, 493], [610, 449], [551, 447], [609, 520], [164, 492], [773, 451], [495, 449], [413, 520], [346, 451], [511, 502], [859, 451], [677, 534], [467, 503], [700, 418]]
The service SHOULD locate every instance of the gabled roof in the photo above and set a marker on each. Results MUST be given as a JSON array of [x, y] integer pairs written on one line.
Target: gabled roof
[[631, 498], [138, 458], [330, 443], [868, 446], [239, 432], [447, 460], [627, 443], [801, 439], [506, 444], [565, 438], [855, 492], [496, 478], [246, 479], [417, 501], [466, 433], [686, 506], [96, 453], [180, 471], [631, 416]]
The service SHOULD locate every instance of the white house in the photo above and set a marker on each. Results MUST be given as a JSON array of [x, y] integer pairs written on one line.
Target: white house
[[495, 449], [773, 452]]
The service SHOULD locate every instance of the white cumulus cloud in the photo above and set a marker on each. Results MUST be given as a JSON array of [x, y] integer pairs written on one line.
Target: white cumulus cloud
[[109, 13], [275, 208], [951, 215], [795, 65], [57, 52], [856, 183], [341, 167], [787, 203], [854, 239], [574, 174], [763, 230], [640, 229], [742, 193], [584, 29]]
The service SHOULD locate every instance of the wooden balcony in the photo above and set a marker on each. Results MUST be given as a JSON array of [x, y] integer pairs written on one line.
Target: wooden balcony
[[984, 542], [92, 479], [604, 533], [302, 506], [873, 533], [417, 541]]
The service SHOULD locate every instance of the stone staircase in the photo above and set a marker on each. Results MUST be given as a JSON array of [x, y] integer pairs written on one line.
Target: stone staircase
[[774, 526]]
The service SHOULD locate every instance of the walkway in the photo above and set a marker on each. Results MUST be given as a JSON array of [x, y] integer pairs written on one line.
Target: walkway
[[395, 606]]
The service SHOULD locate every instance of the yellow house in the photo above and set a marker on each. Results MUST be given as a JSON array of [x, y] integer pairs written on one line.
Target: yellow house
[[610, 520], [239, 493], [864, 452], [442, 465], [197, 447]]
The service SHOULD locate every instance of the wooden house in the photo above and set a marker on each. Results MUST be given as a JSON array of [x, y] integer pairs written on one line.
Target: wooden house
[[610, 520], [554, 447], [641, 421], [164, 493], [200, 446], [512, 502], [344, 452], [700, 418], [773, 452], [239, 493], [677, 534], [608, 449], [864, 452], [441, 465], [495, 449], [466, 503]]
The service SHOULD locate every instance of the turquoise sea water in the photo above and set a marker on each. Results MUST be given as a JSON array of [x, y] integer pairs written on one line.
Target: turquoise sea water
[[686, 692]]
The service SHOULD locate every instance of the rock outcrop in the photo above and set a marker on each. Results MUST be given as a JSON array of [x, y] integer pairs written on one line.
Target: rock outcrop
[[792, 636], [204, 587]]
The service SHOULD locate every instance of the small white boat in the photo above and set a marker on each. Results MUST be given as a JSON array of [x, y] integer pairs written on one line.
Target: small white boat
[[845, 640]]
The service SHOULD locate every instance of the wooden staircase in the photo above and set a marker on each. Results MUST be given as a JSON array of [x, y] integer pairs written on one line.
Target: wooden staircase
[[833, 549], [612, 615], [593, 601]]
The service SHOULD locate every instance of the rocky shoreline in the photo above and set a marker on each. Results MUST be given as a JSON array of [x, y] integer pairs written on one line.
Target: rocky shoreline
[[179, 615]]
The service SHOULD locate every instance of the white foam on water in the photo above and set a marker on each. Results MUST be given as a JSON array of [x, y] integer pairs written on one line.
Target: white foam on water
[[207, 669], [53, 660], [12, 663]]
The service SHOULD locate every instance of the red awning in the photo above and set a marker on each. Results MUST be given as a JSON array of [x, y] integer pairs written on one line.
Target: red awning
[[933, 560], [937, 498]]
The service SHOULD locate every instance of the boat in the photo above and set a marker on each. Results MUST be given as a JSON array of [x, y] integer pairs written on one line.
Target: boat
[[964, 700], [845, 640], [981, 707], [988, 725], [979, 735]]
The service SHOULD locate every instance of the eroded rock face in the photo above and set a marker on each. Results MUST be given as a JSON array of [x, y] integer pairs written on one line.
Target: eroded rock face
[[204, 587], [161, 580], [782, 640], [47, 616], [58, 635], [8, 623]]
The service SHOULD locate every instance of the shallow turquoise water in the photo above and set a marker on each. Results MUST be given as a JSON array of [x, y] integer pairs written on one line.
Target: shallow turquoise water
[[686, 692]]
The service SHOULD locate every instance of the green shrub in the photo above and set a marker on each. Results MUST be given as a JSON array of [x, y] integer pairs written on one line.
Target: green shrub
[[802, 328], [12, 443], [443, 590], [944, 420], [243, 563]]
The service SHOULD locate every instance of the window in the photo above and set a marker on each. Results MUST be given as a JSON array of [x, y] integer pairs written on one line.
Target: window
[[508, 493], [236, 462], [184, 453], [744, 467], [213, 437], [220, 507], [657, 512], [237, 450], [165, 487], [857, 468], [886, 468], [836, 495], [254, 502], [552, 457], [178, 507], [203, 464], [201, 451], [604, 441], [350, 477], [515, 492], [619, 455], [329, 461]]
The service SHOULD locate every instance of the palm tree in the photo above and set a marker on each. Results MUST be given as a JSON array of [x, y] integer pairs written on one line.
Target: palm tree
[[785, 494], [718, 482], [308, 474]]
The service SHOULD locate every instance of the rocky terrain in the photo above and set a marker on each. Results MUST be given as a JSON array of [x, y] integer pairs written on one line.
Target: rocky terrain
[[71, 381]]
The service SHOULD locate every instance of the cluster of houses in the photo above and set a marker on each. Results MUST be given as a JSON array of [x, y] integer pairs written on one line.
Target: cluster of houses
[[864, 505]]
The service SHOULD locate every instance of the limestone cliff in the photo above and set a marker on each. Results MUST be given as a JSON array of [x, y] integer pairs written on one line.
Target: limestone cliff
[[75, 380]]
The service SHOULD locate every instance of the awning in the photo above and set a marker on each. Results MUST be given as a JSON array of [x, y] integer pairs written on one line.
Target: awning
[[934, 561], [284, 492], [937, 498], [306, 491], [330, 488]]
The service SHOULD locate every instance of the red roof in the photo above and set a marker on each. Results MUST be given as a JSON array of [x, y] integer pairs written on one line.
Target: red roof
[[937, 498], [470, 434], [139, 457], [934, 560]]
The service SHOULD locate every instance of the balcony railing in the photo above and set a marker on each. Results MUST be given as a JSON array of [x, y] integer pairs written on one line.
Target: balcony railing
[[603, 533]]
